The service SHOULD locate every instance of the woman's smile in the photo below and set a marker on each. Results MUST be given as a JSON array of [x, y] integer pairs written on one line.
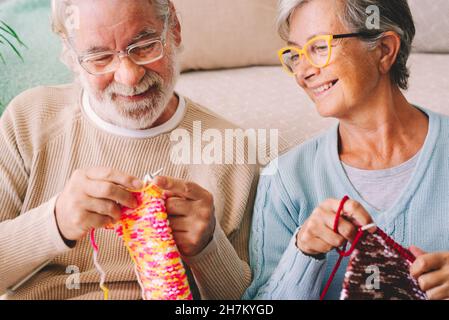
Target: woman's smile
[[323, 89]]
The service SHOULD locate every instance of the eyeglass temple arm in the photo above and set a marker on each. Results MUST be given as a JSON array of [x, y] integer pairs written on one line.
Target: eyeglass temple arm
[[350, 35], [346, 35]]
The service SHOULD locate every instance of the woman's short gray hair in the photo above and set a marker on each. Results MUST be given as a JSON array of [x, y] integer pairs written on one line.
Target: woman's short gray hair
[[61, 14], [394, 16]]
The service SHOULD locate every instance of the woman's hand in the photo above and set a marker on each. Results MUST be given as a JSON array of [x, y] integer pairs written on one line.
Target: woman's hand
[[431, 270], [316, 236]]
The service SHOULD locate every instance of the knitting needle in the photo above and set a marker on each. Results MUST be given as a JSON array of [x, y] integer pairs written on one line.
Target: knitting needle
[[149, 177], [154, 175], [368, 226], [21, 283]]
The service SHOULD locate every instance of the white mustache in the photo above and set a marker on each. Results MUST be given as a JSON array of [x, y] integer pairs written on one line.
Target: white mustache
[[151, 79]]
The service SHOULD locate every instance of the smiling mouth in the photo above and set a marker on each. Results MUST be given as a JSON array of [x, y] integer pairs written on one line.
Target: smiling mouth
[[137, 96], [324, 88]]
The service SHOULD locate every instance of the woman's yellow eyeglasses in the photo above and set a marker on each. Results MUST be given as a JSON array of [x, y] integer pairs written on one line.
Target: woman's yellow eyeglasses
[[317, 51]]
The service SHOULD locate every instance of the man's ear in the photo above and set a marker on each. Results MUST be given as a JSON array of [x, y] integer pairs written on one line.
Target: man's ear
[[175, 25], [68, 57], [390, 45]]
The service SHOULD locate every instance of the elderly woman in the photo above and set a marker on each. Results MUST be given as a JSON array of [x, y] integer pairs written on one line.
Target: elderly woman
[[390, 157]]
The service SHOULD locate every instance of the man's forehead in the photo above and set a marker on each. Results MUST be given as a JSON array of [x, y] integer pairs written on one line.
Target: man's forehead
[[104, 4], [112, 14], [112, 28]]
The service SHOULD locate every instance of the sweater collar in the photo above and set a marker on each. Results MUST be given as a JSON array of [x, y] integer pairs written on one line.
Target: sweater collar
[[385, 219], [168, 126]]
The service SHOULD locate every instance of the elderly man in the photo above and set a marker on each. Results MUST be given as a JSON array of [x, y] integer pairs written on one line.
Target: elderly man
[[68, 155]]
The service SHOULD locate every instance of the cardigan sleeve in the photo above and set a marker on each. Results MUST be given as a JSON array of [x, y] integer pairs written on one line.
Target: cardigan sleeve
[[280, 270]]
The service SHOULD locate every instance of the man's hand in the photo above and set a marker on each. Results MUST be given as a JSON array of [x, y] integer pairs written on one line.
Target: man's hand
[[431, 270], [92, 199], [191, 213]]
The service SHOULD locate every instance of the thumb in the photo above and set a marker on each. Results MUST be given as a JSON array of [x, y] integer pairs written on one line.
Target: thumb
[[416, 251]]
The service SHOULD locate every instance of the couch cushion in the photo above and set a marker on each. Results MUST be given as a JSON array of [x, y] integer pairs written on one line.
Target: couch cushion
[[226, 34], [432, 25]]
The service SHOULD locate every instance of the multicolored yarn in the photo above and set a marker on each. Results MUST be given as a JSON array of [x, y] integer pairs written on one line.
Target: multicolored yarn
[[98, 266], [147, 236]]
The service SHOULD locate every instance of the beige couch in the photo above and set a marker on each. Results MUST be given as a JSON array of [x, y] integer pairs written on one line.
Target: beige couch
[[263, 96], [221, 35]]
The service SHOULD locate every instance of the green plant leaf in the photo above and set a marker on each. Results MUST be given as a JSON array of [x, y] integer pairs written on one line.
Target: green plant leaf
[[1, 58], [7, 31], [10, 31], [12, 47]]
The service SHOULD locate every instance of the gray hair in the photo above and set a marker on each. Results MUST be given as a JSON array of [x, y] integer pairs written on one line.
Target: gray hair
[[61, 13], [395, 16]]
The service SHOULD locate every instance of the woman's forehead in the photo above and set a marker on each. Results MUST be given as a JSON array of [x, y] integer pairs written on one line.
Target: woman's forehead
[[316, 17]]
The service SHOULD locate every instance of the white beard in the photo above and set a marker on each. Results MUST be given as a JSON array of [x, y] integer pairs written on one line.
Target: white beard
[[134, 115]]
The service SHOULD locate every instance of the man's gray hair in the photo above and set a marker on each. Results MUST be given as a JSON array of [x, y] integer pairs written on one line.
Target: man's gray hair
[[62, 14], [395, 15]]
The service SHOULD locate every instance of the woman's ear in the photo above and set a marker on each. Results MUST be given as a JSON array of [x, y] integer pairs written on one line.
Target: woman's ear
[[390, 45]]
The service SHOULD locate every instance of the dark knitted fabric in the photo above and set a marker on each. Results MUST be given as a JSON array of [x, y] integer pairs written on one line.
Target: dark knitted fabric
[[379, 269]]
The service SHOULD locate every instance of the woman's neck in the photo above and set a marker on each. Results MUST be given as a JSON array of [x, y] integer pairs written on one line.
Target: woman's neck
[[383, 133]]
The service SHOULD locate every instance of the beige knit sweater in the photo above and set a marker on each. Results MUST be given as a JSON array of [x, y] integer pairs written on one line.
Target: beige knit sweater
[[45, 135]]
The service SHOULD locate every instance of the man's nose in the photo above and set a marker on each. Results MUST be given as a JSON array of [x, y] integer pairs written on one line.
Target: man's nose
[[129, 73]]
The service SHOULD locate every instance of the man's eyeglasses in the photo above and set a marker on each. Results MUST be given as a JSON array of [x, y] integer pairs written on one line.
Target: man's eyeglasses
[[141, 53], [317, 51]]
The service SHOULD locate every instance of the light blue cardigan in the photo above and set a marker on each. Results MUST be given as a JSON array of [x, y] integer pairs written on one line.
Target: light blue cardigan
[[312, 173]]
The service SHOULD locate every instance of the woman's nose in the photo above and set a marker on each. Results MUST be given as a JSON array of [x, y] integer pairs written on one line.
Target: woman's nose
[[305, 70], [129, 73]]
